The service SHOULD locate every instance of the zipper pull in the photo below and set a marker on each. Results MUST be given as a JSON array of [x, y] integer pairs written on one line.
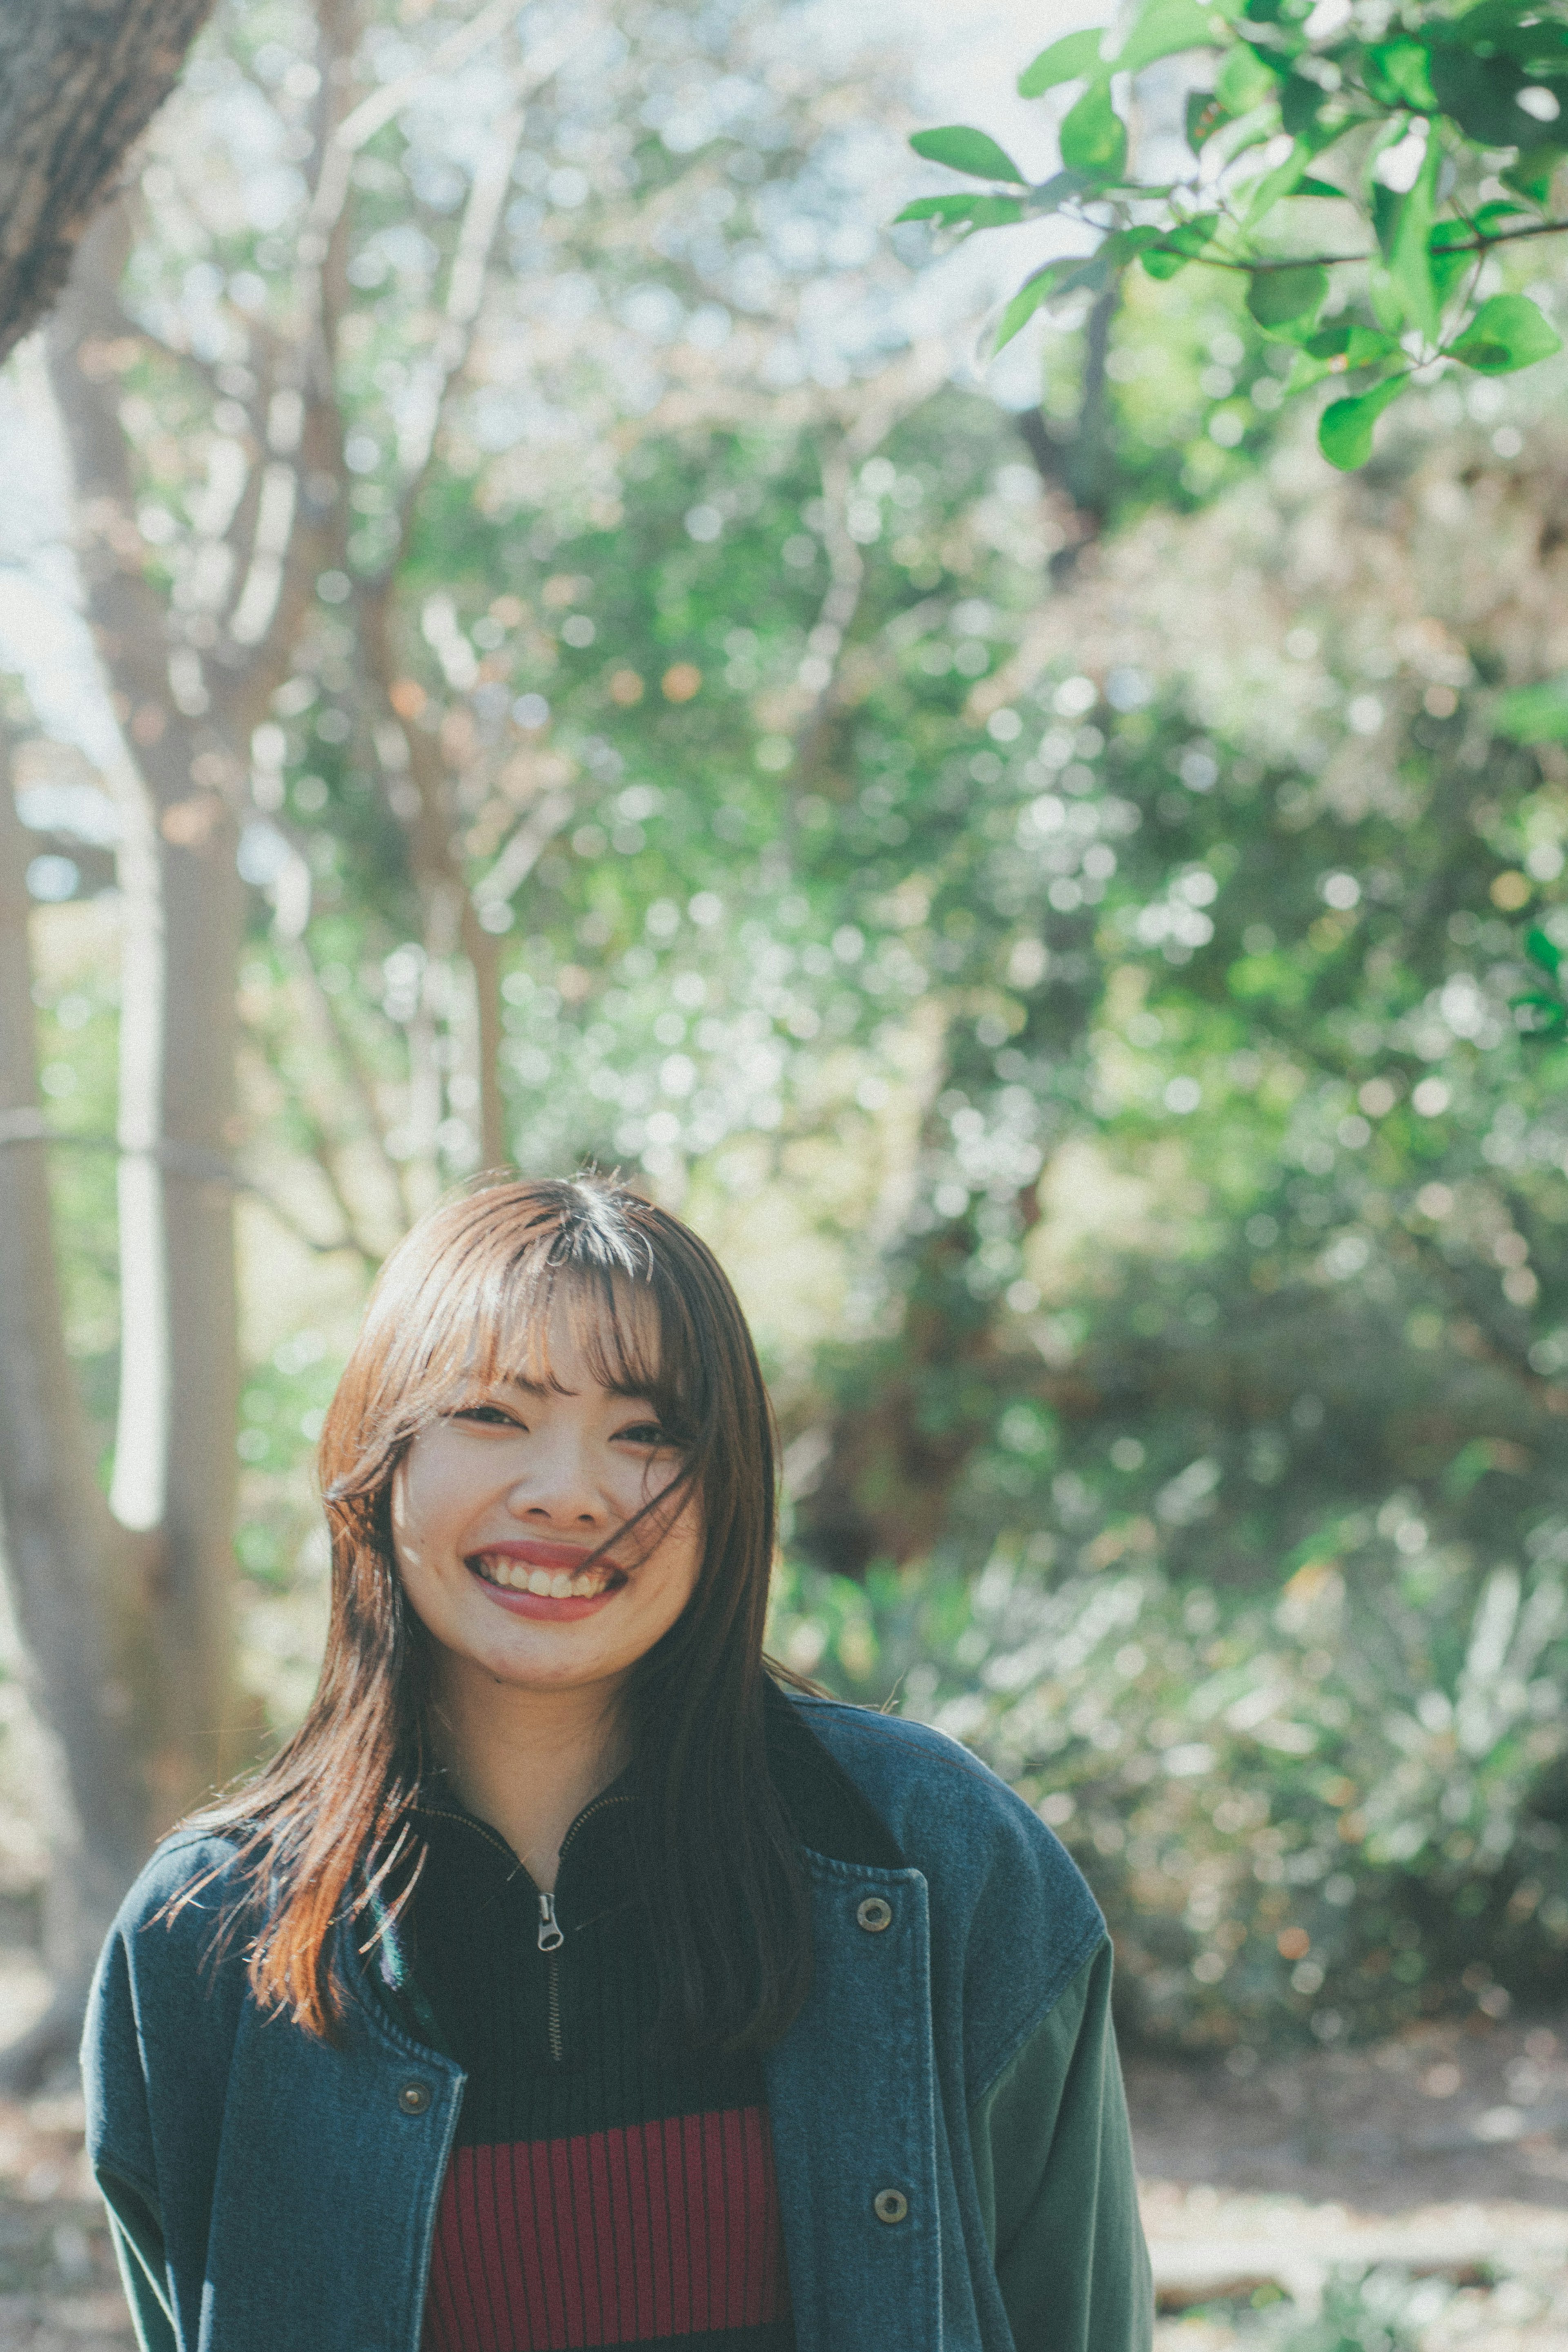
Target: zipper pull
[[551, 1935]]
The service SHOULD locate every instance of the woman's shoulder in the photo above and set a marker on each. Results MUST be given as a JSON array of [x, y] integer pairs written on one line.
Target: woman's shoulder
[[168, 1996], [197, 1877], [892, 1744], [1010, 1911], [937, 1798]]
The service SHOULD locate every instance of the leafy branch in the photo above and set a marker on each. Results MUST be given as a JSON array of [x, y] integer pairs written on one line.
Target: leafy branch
[[1444, 133], [1541, 1014]]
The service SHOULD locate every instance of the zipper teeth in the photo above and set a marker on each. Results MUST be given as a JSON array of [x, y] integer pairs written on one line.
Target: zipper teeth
[[598, 1806], [467, 1821], [552, 2001]]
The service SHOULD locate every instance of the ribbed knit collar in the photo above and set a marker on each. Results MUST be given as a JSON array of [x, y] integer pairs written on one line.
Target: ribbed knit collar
[[826, 1810]]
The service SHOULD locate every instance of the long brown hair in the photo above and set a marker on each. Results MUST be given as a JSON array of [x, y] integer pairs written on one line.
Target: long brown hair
[[329, 1822]]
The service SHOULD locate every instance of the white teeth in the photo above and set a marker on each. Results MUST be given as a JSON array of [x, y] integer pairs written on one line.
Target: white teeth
[[558, 1584]]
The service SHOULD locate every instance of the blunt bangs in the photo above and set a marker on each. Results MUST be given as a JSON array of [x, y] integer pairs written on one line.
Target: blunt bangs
[[470, 1302]]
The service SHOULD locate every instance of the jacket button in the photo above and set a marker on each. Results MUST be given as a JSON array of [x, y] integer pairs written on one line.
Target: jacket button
[[890, 2205], [874, 1915], [413, 2098]]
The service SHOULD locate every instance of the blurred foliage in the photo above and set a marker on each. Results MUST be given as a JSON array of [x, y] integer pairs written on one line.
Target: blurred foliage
[[1380, 2310], [1073, 985], [1358, 167], [1311, 1814]]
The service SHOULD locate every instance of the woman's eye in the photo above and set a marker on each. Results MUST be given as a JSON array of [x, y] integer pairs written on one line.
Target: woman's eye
[[491, 1416], [644, 1433]]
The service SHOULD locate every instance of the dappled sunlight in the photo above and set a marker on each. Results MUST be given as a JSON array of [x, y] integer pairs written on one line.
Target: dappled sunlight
[[563, 655]]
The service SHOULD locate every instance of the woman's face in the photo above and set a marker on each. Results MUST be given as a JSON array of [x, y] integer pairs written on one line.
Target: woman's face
[[495, 1507]]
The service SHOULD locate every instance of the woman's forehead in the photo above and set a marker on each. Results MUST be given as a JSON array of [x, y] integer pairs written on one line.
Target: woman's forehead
[[583, 1332]]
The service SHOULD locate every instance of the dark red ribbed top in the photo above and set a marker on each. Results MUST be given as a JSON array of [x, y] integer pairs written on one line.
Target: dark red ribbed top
[[646, 2234]]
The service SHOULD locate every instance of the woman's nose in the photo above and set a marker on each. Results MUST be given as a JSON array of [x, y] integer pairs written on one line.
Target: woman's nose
[[556, 1485]]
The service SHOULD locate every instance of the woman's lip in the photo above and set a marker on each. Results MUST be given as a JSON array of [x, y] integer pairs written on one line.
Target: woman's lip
[[545, 1604], [536, 1554]]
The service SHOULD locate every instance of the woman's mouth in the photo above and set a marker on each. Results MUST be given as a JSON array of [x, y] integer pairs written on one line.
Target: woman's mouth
[[539, 1580]]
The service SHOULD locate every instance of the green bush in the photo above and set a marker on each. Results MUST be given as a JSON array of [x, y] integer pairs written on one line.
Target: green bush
[[1318, 1812]]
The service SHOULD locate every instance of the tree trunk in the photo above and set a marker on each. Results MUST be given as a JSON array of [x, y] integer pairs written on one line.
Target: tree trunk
[[80, 79], [175, 1468], [72, 1569]]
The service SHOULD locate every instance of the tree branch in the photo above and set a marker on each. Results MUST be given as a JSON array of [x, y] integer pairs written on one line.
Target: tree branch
[[330, 1025], [464, 292], [293, 539], [905, 388]]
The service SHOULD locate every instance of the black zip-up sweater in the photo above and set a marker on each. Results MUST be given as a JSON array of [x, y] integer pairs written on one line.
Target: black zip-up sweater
[[601, 2191]]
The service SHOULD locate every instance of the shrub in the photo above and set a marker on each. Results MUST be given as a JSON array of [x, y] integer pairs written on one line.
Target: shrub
[[1320, 1811]]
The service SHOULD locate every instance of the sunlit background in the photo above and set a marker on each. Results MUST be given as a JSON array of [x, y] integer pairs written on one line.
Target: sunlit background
[[1046, 913]]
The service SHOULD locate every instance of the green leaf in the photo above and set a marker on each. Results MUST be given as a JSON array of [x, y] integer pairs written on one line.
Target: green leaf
[[1544, 951], [1063, 276], [1384, 297], [1066, 60], [1534, 174], [980, 211], [1204, 116], [1385, 203], [995, 212], [1244, 80], [1506, 332], [1485, 218], [1053, 194], [963, 150], [1311, 187], [1300, 102], [1354, 345], [1163, 29], [1515, 27], [1399, 73], [1305, 371], [1482, 92], [1192, 237], [1344, 429], [1278, 296], [1283, 181], [1125, 244], [1534, 714], [1404, 226], [1094, 137], [1551, 1015], [1449, 269], [1181, 245]]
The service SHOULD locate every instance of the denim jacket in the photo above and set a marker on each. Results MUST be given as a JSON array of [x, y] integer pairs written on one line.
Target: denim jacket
[[950, 2137]]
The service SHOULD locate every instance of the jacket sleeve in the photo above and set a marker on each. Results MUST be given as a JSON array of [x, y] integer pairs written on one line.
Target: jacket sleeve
[[120, 2145], [1053, 2159], [137, 2239]]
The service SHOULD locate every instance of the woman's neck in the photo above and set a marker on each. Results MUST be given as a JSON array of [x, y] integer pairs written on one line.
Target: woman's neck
[[526, 1761]]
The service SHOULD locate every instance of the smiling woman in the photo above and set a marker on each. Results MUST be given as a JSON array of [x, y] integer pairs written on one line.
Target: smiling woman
[[570, 1979]]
